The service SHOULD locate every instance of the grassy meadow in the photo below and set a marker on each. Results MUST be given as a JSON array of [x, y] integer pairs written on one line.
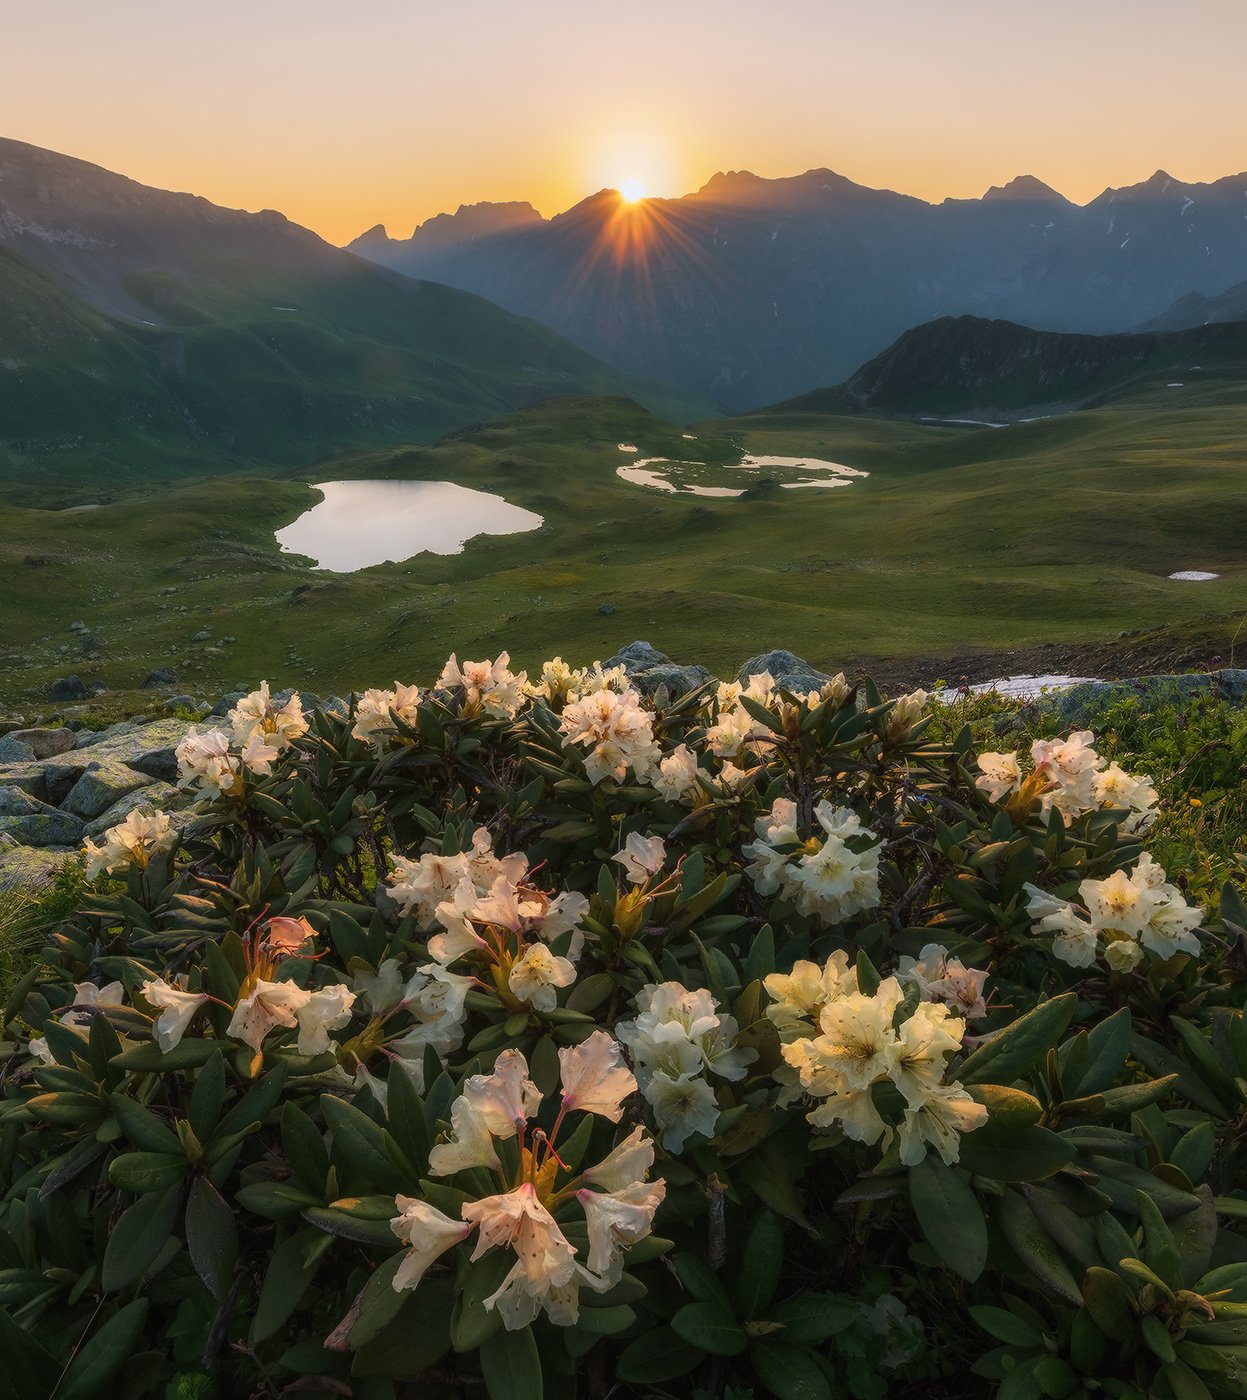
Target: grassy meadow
[[963, 542]]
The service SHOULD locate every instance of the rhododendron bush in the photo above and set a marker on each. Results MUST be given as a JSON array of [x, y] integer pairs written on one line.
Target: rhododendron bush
[[525, 1035]]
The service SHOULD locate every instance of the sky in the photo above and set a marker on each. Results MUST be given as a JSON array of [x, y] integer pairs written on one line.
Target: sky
[[346, 115]]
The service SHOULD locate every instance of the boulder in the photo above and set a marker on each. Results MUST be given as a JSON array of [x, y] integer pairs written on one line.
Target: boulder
[[679, 680], [46, 743], [1082, 706], [157, 796], [791, 672], [637, 656], [14, 750], [148, 748], [226, 703], [180, 702], [102, 785], [160, 676], [68, 688], [26, 868], [34, 823], [30, 777]]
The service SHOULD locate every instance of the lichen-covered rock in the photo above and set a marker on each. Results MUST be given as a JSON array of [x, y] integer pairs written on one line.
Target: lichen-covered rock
[[31, 777], [28, 868], [638, 656], [226, 703], [791, 672], [160, 676], [157, 796], [679, 680], [148, 748], [101, 786], [13, 750], [46, 743], [34, 823], [1081, 706]]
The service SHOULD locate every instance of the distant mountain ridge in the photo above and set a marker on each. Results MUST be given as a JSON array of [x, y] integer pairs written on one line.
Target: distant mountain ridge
[[753, 290], [995, 369], [143, 330]]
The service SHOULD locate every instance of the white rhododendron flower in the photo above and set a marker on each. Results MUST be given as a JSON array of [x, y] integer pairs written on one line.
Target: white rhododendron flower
[[491, 685], [829, 878], [265, 1007], [905, 713], [594, 1076], [939, 977], [177, 1008], [326, 1009], [427, 1233], [256, 716], [851, 1043], [204, 759], [536, 975], [1000, 774], [616, 730], [134, 841], [641, 857], [375, 711]]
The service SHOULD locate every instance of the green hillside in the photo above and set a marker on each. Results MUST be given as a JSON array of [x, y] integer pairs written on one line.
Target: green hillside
[[966, 365], [959, 544]]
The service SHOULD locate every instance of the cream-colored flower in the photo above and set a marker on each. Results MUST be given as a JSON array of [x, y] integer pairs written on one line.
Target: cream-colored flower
[[1117, 903], [518, 1219], [641, 857], [536, 975], [177, 1009], [134, 841], [471, 1144], [618, 733], [999, 775], [676, 778], [506, 1097], [205, 759], [617, 1219], [326, 1009], [276, 725], [489, 684], [595, 1077], [427, 1233], [683, 1104], [629, 1162], [267, 1006], [905, 714], [939, 1119]]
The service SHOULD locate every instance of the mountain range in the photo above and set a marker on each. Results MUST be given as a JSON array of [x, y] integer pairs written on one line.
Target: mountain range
[[753, 290], [142, 331]]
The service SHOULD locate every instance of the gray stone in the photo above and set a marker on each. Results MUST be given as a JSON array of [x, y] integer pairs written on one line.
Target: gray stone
[[25, 868], [160, 676], [34, 823], [181, 702], [226, 703], [679, 680], [607, 609], [202, 636], [15, 751], [77, 626], [149, 749], [791, 672], [637, 656], [157, 796], [68, 688], [46, 743], [100, 787], [30, 777], [1082, 705]]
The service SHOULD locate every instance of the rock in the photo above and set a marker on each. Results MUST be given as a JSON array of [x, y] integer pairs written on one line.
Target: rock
[[607, 609], [68, 688], [309, 701], [181, 702], [46, 742], [160, 676], [30, 777], [679, 680], [15, 750], [791, 672], [25, 868], [77, 626], [91, 643], [150, 749], [100, 787], [637, 656], [226, 703], [1082, 706], [202, 636], [34, 823], [157, 796]]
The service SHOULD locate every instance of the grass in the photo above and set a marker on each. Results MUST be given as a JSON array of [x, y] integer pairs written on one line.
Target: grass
[[961, 542]]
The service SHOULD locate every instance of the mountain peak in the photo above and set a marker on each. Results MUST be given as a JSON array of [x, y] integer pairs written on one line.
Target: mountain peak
[[1024, 187]]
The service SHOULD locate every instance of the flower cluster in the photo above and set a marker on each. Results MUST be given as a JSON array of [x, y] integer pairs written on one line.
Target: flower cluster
[[843, 1043], [490, 915], [677, 1038], [492, 1129], [259, 732], [560, 682], [1071, 776], [1120, 917], [375, 712], [617, 731], [830, 877], [490, 686], [142, 835], [940, 977]]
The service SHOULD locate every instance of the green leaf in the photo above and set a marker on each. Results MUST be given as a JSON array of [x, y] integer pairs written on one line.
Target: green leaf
[[813, 1317], [511, 1365], [761, 1265], [1010, 1053], [304, 1147], [285, 1282], [211, 1237], [104, 1354], [1034, 1247], [138, 1237], [655, 1356], [1108, 1044], [1007, 1327], [145, 1130], [406, 1340], [1029, 1153], [208, 1098], [950, 1216], [788, 1372], [471, 1323], [142, 1172], [359, 1144], [709, 1325]]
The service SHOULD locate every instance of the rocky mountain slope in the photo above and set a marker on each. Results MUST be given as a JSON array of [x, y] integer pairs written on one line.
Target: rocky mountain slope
[[754, 290]]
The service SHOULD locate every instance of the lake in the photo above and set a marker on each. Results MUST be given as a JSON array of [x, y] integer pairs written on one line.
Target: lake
[[701, 479], [361, 523]]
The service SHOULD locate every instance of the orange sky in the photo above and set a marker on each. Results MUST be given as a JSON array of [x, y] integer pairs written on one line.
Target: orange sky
[[390, 111]]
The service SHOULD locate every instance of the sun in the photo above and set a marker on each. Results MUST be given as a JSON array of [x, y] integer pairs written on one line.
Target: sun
[[631, 191]]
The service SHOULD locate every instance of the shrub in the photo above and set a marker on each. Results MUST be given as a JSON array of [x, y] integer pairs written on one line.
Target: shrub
[[537, 1036]]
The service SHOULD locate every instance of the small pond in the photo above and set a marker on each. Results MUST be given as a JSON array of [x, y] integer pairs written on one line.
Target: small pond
[[360, 523], [705, 479]]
